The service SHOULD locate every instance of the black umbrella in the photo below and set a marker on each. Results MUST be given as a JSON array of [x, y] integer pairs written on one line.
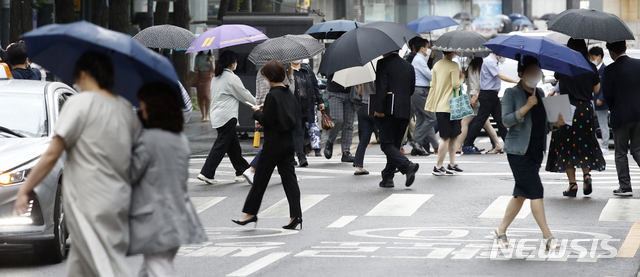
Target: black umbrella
[[591, 24], [361, 45], [286, 49], [332, 29], [463, 16], [463, 42], [548, 16]]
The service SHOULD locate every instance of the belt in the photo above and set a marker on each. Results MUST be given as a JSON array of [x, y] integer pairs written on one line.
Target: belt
[[422, 87]]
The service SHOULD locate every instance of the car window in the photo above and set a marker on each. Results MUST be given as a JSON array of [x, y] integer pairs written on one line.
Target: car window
[[24, 113], [61, 99]]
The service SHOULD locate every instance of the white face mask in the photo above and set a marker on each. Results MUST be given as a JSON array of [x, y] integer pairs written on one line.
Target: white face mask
[[532, 81], [595, 61], [428, 52], [235, 65], [501, 60]]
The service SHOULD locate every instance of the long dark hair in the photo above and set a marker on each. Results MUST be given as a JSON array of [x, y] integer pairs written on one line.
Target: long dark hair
[[476, 64], [580, 46], [163, 107], [227, 58]]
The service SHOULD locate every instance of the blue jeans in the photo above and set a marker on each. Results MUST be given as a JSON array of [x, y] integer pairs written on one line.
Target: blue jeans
[[365, 129]]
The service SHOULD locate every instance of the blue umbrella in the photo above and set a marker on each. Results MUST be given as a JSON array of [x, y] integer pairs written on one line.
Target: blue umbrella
[[332, 29], [551, 55], [516, 16], [522, 21], [431, 22], [57, 47]]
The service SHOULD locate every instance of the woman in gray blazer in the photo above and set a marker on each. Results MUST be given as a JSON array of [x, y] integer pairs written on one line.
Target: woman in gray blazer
[[525, 116], [162, 218]]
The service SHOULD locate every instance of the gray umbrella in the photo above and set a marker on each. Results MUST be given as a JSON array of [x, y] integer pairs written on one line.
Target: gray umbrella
[[286, 49], [464, 16], [463, 42], [165, 37], [591, 24]]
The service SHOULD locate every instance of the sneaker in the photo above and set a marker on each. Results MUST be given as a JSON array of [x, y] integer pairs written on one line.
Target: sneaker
[[249, 176], [622, 192], [411, 174], [386, 183], [240, 179], [207, 180], [347, 157], [441, 171], [302, 160], [454, 169], [469, 150], [419, 152]]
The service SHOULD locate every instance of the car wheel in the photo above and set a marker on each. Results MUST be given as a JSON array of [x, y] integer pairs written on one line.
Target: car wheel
[[55, 250]]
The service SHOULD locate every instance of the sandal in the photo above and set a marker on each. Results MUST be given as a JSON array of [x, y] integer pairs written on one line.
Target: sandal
[[501, 239], [361, 172], [587, 182], [554, 246], [573, 190]]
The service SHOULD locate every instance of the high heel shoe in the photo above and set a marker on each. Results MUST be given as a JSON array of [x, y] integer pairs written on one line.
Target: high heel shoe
[[573, 190], [501, 239], [293, 224], [252, 219], [587, 183]]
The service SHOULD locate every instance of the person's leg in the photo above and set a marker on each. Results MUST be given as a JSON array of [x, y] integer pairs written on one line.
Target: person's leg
[[159, 264], [453, 143], [226, 134], [621, 137], [314, 133], [207, 106], [235, 154], [442, 151], [298, 141], [349, 113], [254, 162], [486, 108], [391, 134], [290, 185], [603, 122], [268, 161], [496, 113], [634, 130], [336, 114], [513, 208], [365, 129], [537, 209], [497, 144], [464, 128], [201, 106]]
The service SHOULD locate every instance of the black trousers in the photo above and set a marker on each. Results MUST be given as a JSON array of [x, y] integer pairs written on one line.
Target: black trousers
[[277, 153], [489, 105], [226, 143], [391, 135]]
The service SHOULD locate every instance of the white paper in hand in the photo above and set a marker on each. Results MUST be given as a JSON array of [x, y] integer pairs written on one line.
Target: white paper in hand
[[557, 105]]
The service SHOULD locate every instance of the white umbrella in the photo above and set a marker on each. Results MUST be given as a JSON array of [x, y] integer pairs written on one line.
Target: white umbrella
[[357, 75]]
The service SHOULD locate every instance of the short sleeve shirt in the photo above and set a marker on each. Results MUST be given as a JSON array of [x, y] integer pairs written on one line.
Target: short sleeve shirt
[[489, 79]]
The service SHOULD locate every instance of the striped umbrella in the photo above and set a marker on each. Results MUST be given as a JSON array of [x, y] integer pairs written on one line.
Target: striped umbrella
[[165, 37], [286, 49]]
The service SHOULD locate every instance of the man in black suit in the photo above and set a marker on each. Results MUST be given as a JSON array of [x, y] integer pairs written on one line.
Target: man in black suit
[[621, 91], [393, 111]]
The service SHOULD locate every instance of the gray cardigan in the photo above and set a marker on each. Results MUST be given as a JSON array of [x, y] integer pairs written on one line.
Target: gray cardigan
[[519, 134], [161, 217]]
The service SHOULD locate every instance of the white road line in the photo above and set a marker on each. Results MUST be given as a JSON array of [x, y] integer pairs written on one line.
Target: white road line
[[203, 203], [259, 264], [499, 206], [342, 221], [399, 205], [281, 209], [621, 210]]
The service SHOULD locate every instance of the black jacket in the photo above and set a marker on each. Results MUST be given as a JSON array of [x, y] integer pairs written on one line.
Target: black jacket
[[335, 87], [281, 112], [27, 74], [393, 74], [313, 96], [621, 90]]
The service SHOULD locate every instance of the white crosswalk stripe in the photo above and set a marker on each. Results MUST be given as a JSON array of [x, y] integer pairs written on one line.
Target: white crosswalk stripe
[[399, 205], [281, 209], [203, 203], [498, 207], [618, 209]]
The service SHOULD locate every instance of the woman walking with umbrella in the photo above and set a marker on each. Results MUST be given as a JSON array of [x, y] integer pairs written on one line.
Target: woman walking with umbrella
[[204, 66], [279, 117], [576, 146], [227, 92]]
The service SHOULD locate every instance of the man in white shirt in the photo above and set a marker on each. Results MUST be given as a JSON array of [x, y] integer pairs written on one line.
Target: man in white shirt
[[424, 121]]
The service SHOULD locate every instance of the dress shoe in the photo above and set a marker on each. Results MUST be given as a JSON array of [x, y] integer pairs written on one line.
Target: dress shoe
[[411, 174], [419, 152], [293, 224], [302, 161], [347, 157], [210, 181], [386, 183], [318, 153], [242, 223], [328, 150]]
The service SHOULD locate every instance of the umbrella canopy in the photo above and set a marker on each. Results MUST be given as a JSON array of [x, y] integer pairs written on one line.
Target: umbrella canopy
[[225, 36], [548, 16], [461, 41], [515, 16], [286, 49], [357, 75], [551, 55], [522, 21], [57, 47], [502, 17], [463, 16], [361, 45], [431, 22], [165, 37], [332, 29], [591, 24]]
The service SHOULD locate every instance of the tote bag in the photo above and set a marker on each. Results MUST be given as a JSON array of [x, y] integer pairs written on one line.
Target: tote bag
[[460, 106]]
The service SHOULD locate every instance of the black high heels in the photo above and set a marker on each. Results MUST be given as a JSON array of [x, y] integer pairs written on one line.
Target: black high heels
[[587, 182], [573, 190], [293, 224], [252, 219]]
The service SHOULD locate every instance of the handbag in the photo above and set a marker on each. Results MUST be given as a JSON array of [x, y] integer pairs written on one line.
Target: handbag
[[327, 123], [192, 79], [460, 106]]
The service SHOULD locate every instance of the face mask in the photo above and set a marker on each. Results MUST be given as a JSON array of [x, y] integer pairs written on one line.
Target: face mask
[[501, 60], [235, 65], [428, 53], [532, 81], [595, 61]]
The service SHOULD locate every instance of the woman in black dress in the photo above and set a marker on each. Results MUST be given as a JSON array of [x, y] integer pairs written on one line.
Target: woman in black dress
[[576, 146], [525, 116], [279, 117]]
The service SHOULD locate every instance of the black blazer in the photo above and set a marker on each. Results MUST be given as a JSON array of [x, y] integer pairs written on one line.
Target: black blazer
[[621, 90], [394, 74]]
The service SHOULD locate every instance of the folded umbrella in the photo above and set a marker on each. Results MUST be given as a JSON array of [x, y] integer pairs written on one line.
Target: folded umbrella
[[591, 24], [225, 36], [357, 75], [332, 29], [165, 37], [57, 48], [286, 49], [463, 42], [431, 22], [551, 55], [361, 45]]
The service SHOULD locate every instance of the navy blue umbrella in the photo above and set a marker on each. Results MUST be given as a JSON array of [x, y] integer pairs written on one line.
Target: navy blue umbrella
[[522, 21], [57, 48], [332, 29], [551, 55], [431, 22], [516, 16]]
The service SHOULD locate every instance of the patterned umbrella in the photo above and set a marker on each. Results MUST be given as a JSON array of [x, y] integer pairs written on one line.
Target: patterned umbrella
[[286, 49], [461, 41], [225, 36], [591, 24], [165, 37]]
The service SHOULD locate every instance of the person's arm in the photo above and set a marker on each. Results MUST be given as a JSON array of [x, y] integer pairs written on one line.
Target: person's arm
[[596, 88], [456, 81], [37, 174], [316, 90], [421, 66], [239, 91], [608, 87], [140, 159], [268, 116], [262, 88], [506, 78], [512, 115], [289, 80]]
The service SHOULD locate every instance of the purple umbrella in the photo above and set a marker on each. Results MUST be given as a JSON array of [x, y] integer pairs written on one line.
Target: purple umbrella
[[225, 36]]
